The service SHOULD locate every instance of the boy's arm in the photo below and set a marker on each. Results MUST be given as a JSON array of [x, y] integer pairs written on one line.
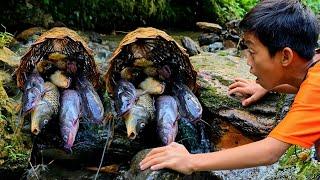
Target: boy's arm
[[176, 157]]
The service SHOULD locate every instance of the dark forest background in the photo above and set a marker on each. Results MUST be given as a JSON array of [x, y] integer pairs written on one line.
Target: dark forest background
[[108, 15]]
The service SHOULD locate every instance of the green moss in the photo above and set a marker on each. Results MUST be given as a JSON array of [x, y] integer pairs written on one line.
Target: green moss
[[15, 146], [5, 39], [213, 101], [301, 160], [222, 80]]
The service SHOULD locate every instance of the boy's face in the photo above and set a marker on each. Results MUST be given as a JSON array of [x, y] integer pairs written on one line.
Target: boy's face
[[267, 69]]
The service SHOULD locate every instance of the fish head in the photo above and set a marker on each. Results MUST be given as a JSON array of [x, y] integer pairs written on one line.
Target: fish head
[[40, 116], [125, 96], [167, 116], [69, 133], [34, 80], [189, 105], [193, 107], [30, 99], [127, 100], [168, 134], [136, 119]]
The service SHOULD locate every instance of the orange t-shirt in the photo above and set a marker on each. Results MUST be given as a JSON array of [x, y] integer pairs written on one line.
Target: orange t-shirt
[[301, 126]]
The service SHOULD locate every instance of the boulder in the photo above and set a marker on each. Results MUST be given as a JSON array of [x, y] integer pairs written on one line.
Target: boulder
[[191, 46], [135, 172], [211, 27], [232, 124]]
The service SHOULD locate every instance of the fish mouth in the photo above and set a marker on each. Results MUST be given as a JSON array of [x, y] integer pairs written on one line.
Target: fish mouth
[[132, 135], [35, 127], [35, 131], [131, 131]]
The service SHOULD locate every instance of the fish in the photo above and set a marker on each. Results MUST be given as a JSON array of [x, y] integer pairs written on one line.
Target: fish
[[47, 108], [33, 91], [93, 109], [152, 86], [125, 96], [189, 105], [167, 118], [60, 80], [139, 115], [70, 113]]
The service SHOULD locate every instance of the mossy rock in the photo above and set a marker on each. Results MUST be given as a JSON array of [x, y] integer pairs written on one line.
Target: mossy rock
[[216, 71]]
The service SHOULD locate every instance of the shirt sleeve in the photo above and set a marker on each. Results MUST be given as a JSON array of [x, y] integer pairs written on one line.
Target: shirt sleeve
[[301, 126]]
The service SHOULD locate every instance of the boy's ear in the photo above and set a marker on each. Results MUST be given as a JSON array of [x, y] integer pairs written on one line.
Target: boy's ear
[[287, 56]]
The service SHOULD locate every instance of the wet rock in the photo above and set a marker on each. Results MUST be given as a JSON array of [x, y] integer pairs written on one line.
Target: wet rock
[[29, 36], [191, 46], [135, 172], [215, 47], [215, 73], [208, 38], [95, 37], [229, 44], [247, 122], [232, 24], [101, 54], [284, 109], [211, 27], [193, 136], [8, 59], [232, 37]]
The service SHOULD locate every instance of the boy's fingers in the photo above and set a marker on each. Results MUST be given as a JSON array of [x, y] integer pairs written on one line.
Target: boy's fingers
[[241, 80], [239, 90], [249, 100], [237, 84]]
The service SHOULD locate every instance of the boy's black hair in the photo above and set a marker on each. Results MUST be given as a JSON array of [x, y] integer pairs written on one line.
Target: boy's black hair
[[283, 23]]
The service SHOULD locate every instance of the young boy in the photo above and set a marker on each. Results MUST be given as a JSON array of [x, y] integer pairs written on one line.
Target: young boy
[[281, 36]]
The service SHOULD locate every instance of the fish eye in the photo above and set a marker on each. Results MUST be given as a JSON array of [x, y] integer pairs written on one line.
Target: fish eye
[[45, 122], [65, 137], [142, 125]]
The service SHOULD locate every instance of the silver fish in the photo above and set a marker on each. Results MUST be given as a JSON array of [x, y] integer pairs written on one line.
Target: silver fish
[[139, 115], [70, 112], [189, 105], [47, 107], [125, 95], [92, 106], [166, 117], [33, 91]]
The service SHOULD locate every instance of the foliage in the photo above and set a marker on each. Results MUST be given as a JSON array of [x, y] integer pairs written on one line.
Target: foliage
[[114, 13], [302, 161], [226, 10], [5, 39], [126, 14], [15, 146], [313, 4]]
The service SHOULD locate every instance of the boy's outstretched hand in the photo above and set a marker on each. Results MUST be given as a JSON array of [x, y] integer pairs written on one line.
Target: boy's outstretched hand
[[249, 89], [173, 156]]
